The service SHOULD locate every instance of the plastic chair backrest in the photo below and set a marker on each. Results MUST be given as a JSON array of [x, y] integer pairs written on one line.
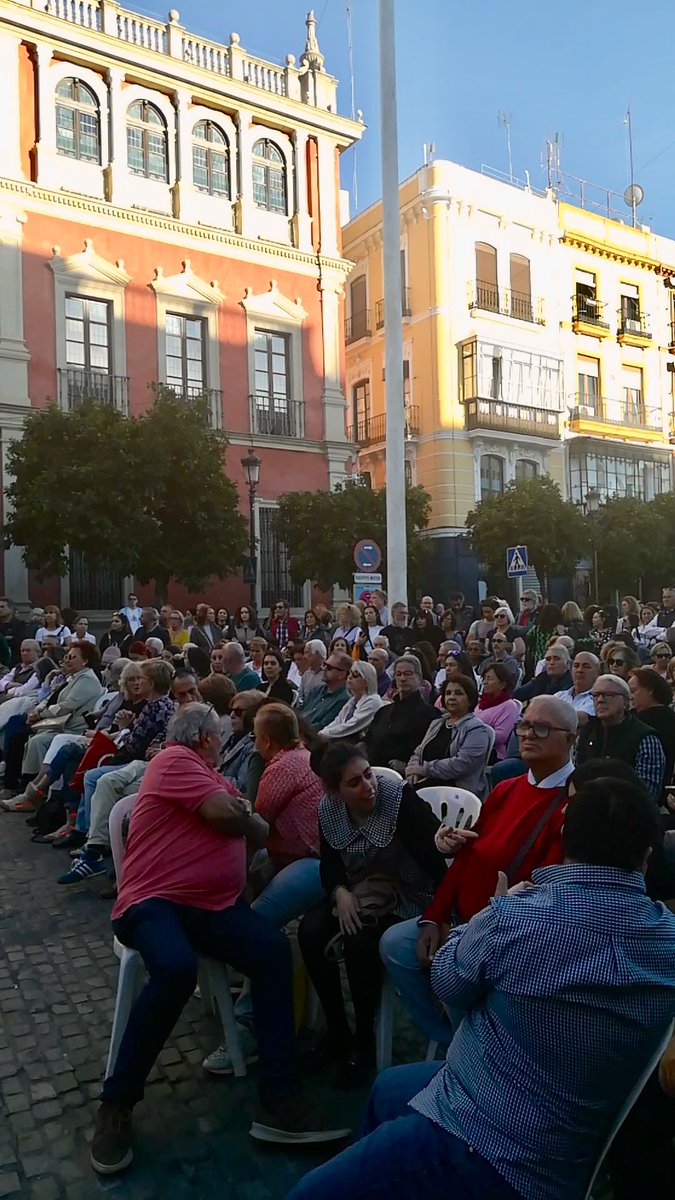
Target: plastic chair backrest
[[492, 737], [387, 772], [628, 1103], [115, 823], [453, 806]]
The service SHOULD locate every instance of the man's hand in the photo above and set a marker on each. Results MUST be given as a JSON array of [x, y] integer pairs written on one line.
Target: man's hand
[[33, 717], [427, 943], [347, 911], [503, 889], [414, 774], [667, 1070], [450, 840]]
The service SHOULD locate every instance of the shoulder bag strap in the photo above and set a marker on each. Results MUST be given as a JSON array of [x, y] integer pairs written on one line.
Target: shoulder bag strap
[[526, 846]]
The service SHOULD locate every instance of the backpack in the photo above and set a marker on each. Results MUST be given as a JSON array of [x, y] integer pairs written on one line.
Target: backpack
[[49, 817]]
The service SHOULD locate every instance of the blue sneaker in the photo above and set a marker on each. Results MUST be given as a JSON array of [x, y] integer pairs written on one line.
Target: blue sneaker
[[83, 871]]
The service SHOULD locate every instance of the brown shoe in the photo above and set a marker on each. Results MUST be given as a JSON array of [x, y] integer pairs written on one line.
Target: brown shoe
[[111, 1146]]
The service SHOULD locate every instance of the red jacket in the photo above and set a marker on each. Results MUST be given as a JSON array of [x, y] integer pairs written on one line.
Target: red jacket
[[292, 625], [508, 816]]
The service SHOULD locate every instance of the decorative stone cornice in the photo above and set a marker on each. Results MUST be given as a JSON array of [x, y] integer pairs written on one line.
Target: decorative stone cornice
[[187, 285], [273, 304], [89, 265], [144, 219], [581, 241]]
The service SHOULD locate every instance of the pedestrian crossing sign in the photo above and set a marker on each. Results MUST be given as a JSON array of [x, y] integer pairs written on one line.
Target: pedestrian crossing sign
[[516, 561]]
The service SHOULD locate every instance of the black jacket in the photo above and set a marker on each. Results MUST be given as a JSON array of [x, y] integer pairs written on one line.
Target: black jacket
[[399, 639], [14, 631], [398, 728]]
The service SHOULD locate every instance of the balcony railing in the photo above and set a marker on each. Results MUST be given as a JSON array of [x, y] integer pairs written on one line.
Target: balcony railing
[[633, 326], [357, 326], [273, 416], [212, 397], [589, 311], [77, 385], [502, 417], [374, 429], [406, 310], [505, 301], [608, 411]]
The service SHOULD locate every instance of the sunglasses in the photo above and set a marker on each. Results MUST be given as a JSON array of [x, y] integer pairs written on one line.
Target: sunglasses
[[621, 662], [662, 655]]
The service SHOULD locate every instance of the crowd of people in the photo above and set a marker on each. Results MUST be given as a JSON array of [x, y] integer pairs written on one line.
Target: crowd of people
[[280, 767]]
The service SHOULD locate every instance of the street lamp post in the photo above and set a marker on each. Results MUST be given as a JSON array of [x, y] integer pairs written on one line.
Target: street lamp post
[[251, 465], [593, 506]]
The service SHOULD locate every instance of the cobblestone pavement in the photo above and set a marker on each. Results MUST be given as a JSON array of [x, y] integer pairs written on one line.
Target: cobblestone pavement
[[57, 985]]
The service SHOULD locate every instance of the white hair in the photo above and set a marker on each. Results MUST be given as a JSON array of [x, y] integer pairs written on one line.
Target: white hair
[[367, 672], [560, 710], [316, 646], [505, 611], [191, 721], [155, 644]]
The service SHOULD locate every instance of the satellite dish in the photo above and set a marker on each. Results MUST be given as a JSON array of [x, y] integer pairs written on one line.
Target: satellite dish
[[634, 195]]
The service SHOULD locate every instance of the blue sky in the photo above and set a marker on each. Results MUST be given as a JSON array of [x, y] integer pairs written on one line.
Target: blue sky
[[572, 68]]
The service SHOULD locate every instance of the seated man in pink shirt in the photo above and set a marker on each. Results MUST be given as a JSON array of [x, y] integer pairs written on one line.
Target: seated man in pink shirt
[[180, 895]]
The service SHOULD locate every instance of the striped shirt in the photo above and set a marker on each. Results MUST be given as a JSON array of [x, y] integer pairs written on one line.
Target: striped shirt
[[567, 989]]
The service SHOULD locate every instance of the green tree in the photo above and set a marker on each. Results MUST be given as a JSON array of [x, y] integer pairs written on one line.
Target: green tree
[[147, 495], [320, 530], [628, 538], [530, 512], [660, 569]]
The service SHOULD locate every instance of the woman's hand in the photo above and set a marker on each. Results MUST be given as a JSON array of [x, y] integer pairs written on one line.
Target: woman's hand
[[347, 911], [503, 889], [450, 840], [414, 774], [427, 943], [124, 718]]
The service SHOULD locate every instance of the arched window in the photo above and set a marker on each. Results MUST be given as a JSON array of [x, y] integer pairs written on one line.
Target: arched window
[[269, 177], [526, 469], [146, 141], [210, 159], [77, 121], [487, 290], [521, 288], [491, 476]]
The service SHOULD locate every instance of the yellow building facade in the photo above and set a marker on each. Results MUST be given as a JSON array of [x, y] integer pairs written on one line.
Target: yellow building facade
[[501, 337]]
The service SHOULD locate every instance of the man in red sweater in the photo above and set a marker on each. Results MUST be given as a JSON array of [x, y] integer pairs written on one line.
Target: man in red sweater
[[519, 829]]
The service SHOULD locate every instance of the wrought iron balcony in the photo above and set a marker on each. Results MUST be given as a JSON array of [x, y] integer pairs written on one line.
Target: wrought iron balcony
[[77, 386], [357, 326], [406, 310], [194, 394], [505, 301], [503, 417], [587, 310], [275, 416], [633, 326], [370, 430], [604, 410]]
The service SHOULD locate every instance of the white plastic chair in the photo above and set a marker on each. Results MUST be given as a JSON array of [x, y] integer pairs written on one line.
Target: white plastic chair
[[387, 773], [214, 979], [628, 1103], [453, 806]]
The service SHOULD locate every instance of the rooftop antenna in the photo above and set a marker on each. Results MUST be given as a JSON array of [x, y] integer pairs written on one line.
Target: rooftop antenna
[[553, 176], [429, 151], [504, 122], [634, 194]]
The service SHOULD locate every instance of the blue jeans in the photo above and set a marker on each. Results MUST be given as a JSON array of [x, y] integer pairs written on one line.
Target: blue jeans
[[401, 1155], [397, 951], [287, 896], [169, 937], [91, 778]]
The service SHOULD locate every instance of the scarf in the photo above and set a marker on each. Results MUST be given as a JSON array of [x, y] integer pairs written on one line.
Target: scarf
[[492, 700]]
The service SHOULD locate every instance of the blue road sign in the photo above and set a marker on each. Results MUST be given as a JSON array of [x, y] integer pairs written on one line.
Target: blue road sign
[[516, 561]]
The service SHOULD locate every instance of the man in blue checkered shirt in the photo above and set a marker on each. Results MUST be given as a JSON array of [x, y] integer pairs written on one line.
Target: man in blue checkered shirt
[[567, 987]]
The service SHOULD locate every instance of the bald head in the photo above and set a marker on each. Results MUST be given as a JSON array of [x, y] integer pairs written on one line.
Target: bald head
[[546, 734], [585, 670]]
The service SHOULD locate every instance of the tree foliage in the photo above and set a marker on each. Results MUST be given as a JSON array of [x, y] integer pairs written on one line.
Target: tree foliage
[[628, 538], [320, 530], [530, 512], [147, 496]]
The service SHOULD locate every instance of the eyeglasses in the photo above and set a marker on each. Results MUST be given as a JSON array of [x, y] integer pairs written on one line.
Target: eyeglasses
[[618, 662], [661, 655], [608, 695], [538, 729], [202, 723]]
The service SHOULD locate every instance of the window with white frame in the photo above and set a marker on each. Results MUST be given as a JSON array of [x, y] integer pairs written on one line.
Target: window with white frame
[[185, 354], [491, 476], [526, 469], [273, 411], [78, 127], [88, 371], [147, 146], [210, 159], [269, 177]]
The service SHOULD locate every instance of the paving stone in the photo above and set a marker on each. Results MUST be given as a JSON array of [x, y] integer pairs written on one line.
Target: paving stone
[[9, 1183], [45, 1189], [42, 1091], [48, 1109]]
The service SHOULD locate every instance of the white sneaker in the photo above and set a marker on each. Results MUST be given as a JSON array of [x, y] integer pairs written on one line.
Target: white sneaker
[[218, 1062]]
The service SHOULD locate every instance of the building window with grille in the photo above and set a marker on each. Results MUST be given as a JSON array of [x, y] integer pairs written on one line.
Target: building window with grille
[[88, 369], [361, 409], [269, 177], [588, 306], [630, 308], [491, 476], [210, 160], [521, 288], [526, 469], [147, 149], [78, 126], [272, 411], [588, 386], [469, 371], [275, 574], [633, 406], [185, 354], [487, 291]]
